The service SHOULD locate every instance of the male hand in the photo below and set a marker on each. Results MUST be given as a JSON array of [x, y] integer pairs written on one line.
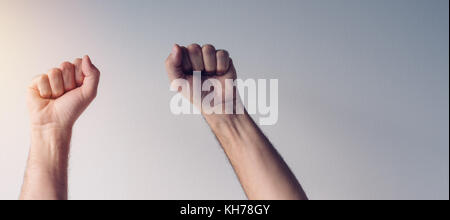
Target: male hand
[[55, 101], [214, 65], [261, 170], [58, 98]]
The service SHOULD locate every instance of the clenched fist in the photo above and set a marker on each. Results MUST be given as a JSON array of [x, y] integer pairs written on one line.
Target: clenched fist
[[215, 66], [58, 98], [261, 170], [55, 101]]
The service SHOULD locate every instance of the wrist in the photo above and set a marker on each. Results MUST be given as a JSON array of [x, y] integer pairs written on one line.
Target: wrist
[[51, 127], [46, 174], [230, 129], [224, 121], [50, 146], [228, 115]]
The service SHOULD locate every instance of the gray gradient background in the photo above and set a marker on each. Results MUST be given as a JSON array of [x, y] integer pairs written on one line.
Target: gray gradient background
[[364, 94]]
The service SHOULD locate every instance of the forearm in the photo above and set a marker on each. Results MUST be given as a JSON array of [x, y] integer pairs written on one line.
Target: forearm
[[46, 172], [260, 169]]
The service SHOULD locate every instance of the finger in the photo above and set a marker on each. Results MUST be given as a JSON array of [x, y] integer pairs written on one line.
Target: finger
[[174, 63], [91, 78], [231, 69], [41, 86], [187, 66], [45, 90], [34, 93], [209, 58], [79, 77], [56, 82], [223, 61], [195, 56], [68, 74], [35, 82]]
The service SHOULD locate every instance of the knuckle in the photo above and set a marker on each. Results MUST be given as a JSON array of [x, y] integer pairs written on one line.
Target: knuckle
[[194, 48], [77, 62], [66, 66], [222, 53], [55, 72], [43, 78], [208, 48]]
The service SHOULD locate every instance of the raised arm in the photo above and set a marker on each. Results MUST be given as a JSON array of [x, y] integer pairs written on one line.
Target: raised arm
[[55, 101], [262, 172]]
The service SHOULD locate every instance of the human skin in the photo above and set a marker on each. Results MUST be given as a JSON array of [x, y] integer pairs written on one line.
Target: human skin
[[261, 170], [55, 101]]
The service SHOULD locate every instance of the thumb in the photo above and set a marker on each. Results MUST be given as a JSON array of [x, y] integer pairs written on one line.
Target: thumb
[[91, 78]]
